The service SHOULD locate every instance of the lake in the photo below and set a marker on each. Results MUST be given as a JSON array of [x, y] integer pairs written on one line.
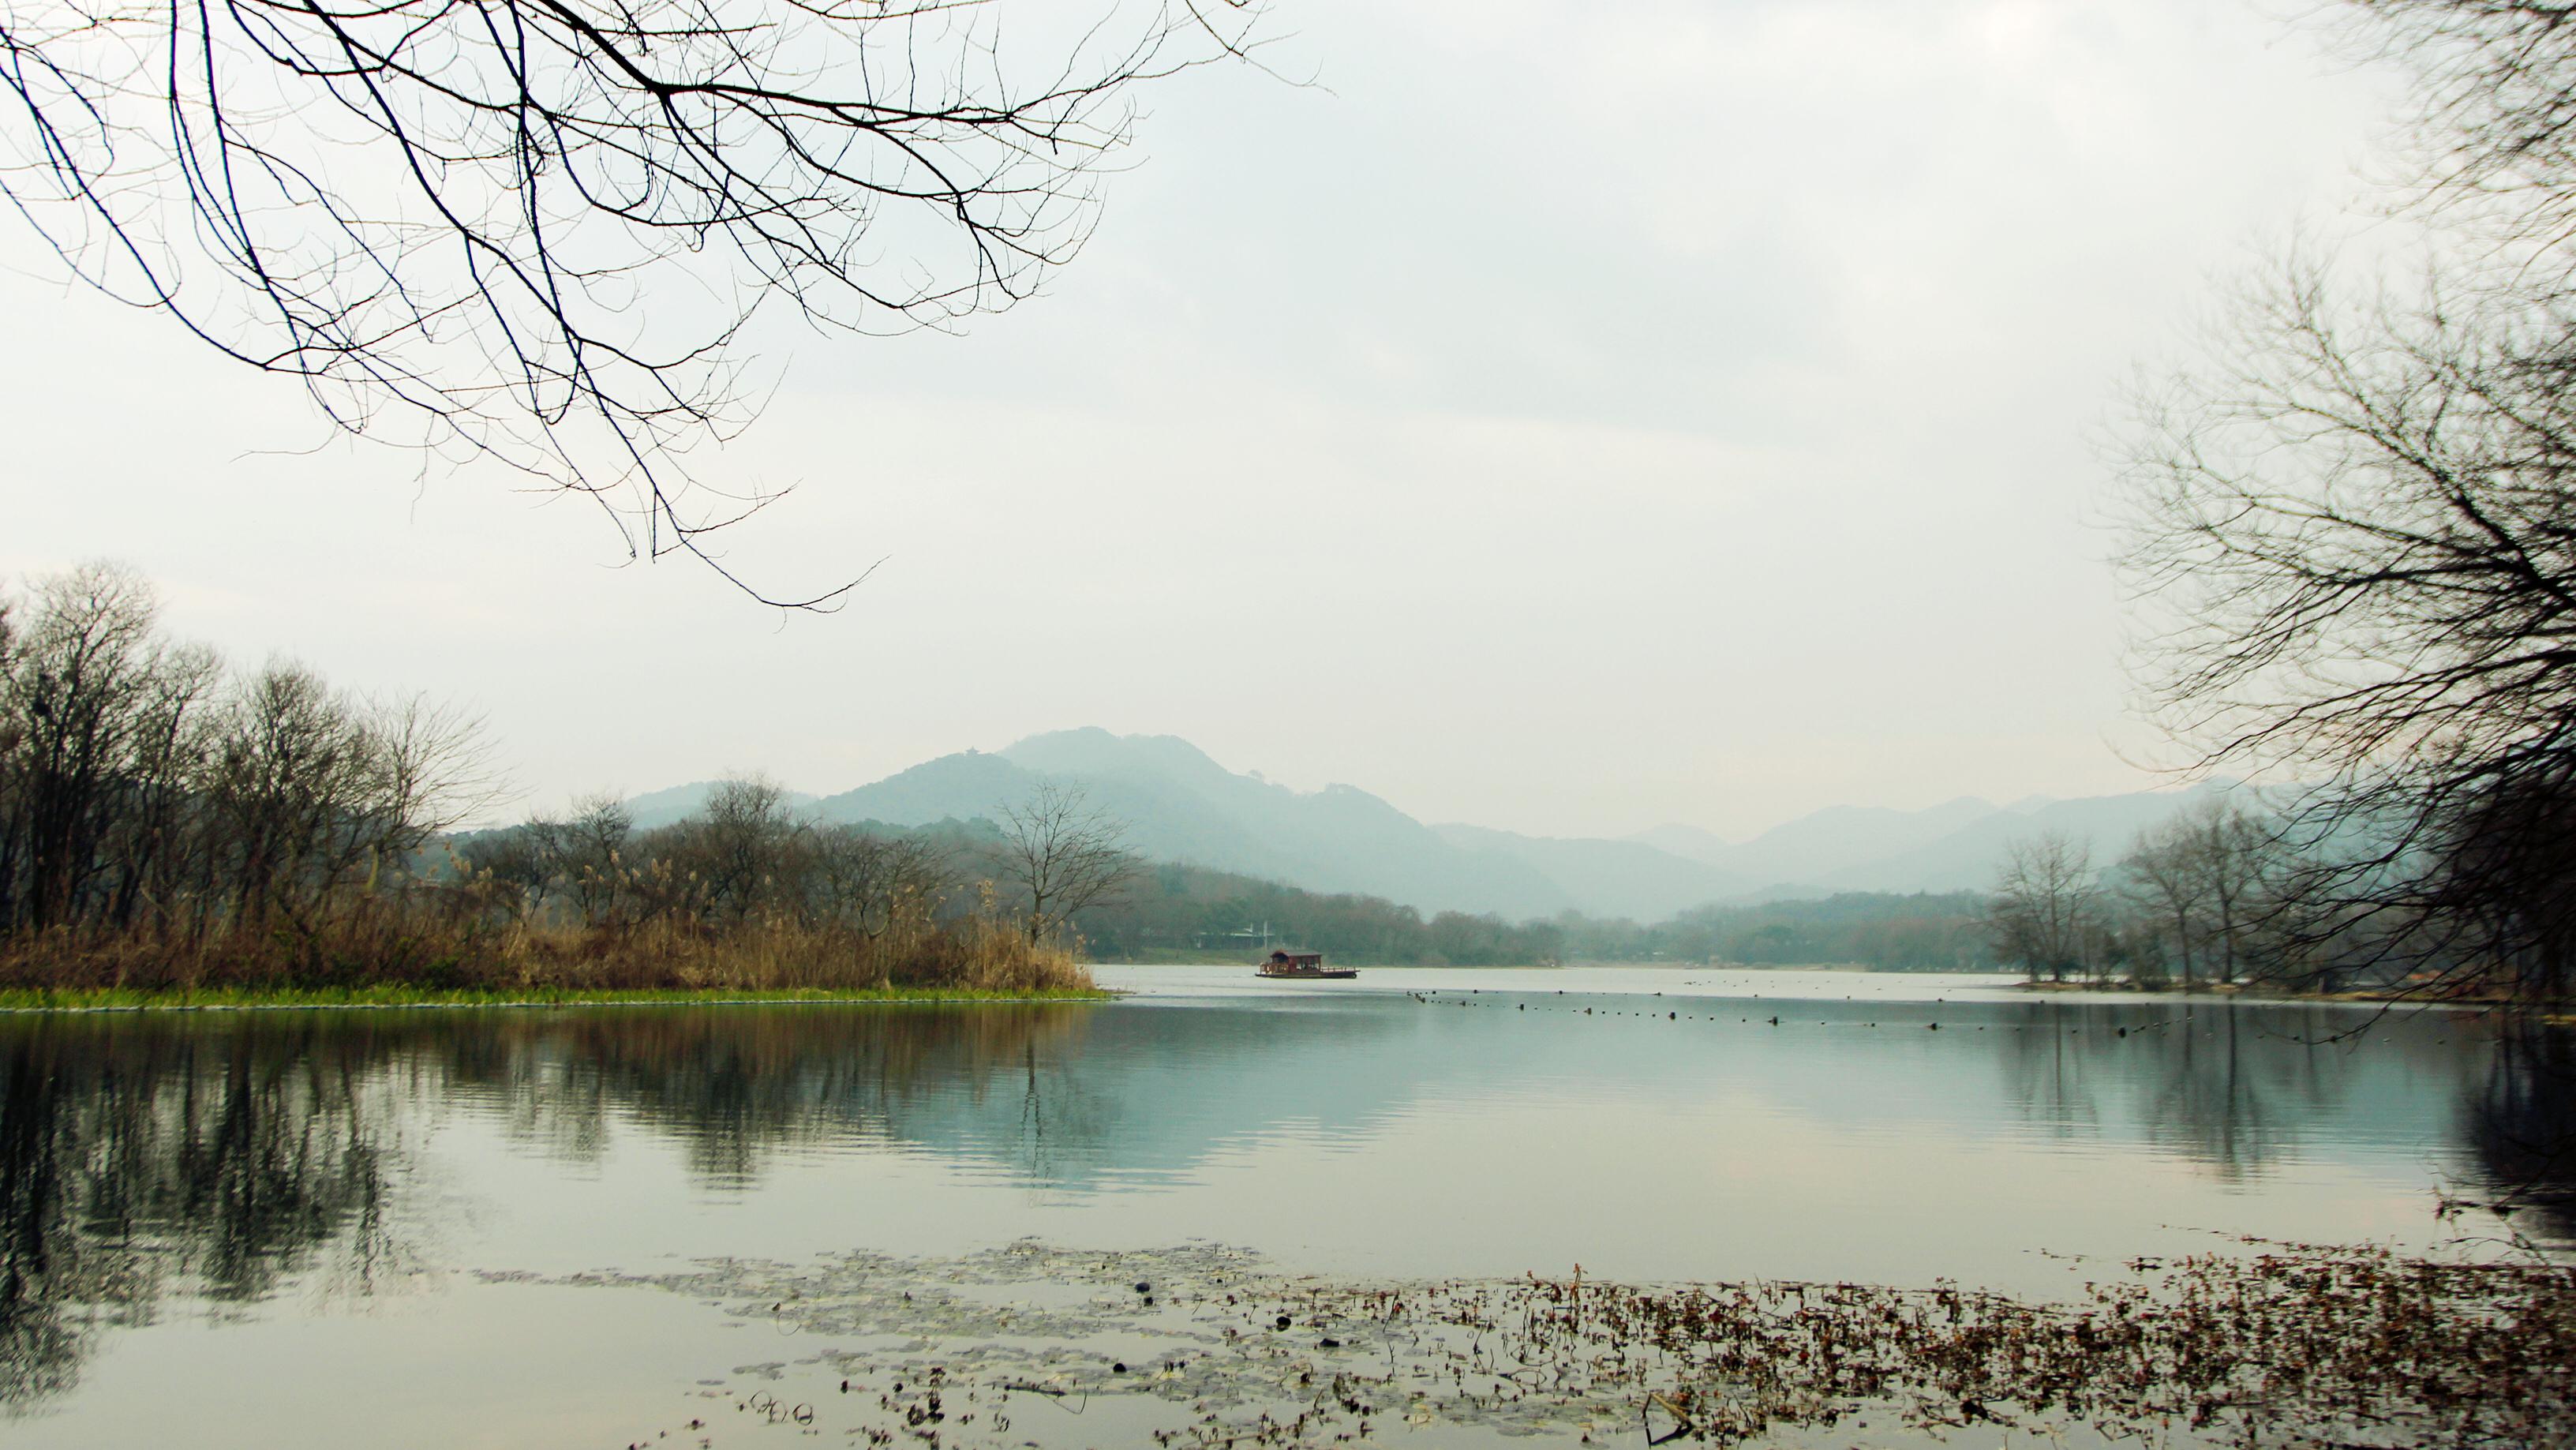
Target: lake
[[594, 1226]]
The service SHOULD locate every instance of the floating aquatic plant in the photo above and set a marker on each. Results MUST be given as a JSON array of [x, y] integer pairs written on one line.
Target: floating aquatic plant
[[2287, 1345]]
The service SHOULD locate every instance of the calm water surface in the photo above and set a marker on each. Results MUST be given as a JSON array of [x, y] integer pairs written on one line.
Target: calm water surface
[[292, 1228]]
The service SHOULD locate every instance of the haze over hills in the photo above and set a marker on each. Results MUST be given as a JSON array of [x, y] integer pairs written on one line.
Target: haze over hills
[[1815, 847], [1181, 806], [662, 807], [1966, 858]]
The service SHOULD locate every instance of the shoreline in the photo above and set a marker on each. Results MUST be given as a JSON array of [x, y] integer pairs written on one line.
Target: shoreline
[[2253, 992], [38, 1001]]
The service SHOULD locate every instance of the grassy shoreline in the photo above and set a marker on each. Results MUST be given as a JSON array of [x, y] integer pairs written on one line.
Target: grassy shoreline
[[241, 999]]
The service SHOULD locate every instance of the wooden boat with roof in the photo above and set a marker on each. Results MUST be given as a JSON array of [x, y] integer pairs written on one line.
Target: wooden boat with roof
[[1304, 967]]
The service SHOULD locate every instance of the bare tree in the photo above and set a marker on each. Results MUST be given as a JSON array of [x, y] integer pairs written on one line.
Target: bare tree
[[298, 793], [80, 673], [739, 845], [592, 857], [2045, 905], [139, 792], [433, 770], [157, 853], [447, 221], [2353, 550], [2210, 878], [862, 879], [2163, 882], [1062, 854], [2492, 135], [2351, 535]]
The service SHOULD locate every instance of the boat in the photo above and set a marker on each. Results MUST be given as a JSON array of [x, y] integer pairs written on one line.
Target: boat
[[1304, 967]]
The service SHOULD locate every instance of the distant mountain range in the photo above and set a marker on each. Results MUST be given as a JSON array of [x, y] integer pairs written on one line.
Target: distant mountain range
[[1179, 805]]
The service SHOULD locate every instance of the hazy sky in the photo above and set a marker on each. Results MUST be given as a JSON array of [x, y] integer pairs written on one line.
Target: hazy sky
[[1566, 418]]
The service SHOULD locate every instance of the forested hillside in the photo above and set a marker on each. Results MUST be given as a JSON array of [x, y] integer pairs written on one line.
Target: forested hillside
[[1187, 913], [1173, 803]]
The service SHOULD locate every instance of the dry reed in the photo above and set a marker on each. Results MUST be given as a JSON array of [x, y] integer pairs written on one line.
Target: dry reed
[[409, 944]]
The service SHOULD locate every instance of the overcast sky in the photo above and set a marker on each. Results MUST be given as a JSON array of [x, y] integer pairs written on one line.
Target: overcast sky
[[1566, 418]]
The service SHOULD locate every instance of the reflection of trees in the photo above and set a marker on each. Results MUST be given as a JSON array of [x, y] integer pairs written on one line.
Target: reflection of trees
[[2051, 1074], [2210, 1104], [734, 1085], [225, 1157], [2237, 1087], [2522, 1126], [139, 1154], [2225, 1085]]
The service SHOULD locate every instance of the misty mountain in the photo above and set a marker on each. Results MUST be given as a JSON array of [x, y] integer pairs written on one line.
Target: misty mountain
[[1179, 805], [1968, 858], [1691, 843], [662, 807], [1610, 878], [1955, 846], [1818, 846]]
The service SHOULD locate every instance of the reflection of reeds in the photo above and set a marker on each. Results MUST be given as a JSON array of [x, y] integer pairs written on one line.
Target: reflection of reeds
[[745, 1082], [778, 1051], [420, 945], [146, 1157]]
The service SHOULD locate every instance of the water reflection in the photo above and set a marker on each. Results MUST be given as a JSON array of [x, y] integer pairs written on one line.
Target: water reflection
[[207, 1162], [2523, 1127], [213, 1160], [2232, 1086], [144, 1155], [736, 1087]]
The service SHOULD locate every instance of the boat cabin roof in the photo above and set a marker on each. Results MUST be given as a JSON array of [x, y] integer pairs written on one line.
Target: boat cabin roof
[[1285, 956]]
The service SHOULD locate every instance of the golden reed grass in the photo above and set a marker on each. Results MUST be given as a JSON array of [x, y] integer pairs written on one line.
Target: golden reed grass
[[398, 944]]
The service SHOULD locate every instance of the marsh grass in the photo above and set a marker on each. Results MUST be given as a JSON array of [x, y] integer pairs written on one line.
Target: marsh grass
[[119, 999], [387, 952]]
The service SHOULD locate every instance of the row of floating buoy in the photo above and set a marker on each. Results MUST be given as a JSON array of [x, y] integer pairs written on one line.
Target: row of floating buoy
[[1773, 1021]]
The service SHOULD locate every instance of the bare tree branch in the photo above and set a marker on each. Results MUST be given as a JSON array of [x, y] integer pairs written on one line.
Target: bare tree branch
[[535, 231]]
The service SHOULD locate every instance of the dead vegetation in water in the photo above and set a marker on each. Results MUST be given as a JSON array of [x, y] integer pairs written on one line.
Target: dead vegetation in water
[[1205, 1346]]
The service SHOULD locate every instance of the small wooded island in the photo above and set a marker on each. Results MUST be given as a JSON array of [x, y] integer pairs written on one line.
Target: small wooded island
[[173, 830]]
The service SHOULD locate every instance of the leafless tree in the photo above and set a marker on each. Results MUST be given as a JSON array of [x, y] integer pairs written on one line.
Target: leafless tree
[[155, 847], [81, 670], [432, 762], [2491, 140], [2353, 550], [2208, 879], [591, 854], [2161, 881], [738, 847], [2045, 907], [1062, 854], [2351, 533], [300, 800], [536, 230], [861, 879]]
